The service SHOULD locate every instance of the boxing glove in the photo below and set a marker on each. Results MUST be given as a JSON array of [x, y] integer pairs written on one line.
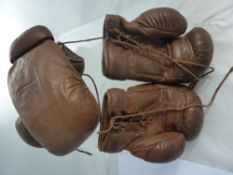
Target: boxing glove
[[54, 103], [151, 121], [79, 65], [150, 48]]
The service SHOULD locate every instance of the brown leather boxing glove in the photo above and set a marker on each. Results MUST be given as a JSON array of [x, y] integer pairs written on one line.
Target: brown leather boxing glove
[[55, 105], [150, 48], [150, 121], [79, 65]]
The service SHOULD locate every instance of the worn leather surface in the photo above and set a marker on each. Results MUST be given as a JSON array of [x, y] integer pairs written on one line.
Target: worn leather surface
[[28, 40], [79, 65], [76, 60], [158, 33], [24, 133], [154, 137], [55, 105]]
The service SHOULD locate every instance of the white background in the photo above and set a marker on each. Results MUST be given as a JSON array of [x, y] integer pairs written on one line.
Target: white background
[[71, 20]]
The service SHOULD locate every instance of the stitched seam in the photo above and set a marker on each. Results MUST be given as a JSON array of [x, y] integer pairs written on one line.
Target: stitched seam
[[145, 147], [131, 66], [161, 30], [165, 106], [183, 111], [189, 44]]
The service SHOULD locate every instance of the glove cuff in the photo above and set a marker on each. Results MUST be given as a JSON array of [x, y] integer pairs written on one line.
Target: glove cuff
[[114, 103], [76, 60], [111, 22], [28, 40], [115, 62]]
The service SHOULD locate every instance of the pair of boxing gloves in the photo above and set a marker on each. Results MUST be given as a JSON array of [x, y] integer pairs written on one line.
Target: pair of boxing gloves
[[58, 112]]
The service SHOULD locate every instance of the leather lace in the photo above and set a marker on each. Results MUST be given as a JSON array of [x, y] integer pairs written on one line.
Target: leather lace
[[79, 41], [96, 89], [149, 53], [85, 152], [113, 121], [98, 100]]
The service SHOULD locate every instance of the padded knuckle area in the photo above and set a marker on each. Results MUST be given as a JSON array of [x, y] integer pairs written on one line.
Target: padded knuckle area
[[192, 123], [160, 148], [202, 44]]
